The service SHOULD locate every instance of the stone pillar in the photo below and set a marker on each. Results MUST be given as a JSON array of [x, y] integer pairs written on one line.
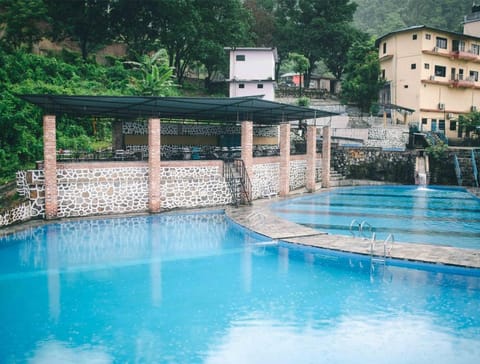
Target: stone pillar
[[154, 165], [326, 156], [284, 159], [247, 146], [311, 157], [50, 166]]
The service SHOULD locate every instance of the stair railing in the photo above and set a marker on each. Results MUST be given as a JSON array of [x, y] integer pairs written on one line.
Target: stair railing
[[475, 169], [232, 182], [245, 183], [458, 171]]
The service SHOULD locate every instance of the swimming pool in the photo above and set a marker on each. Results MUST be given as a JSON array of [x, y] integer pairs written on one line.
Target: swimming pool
[[434, 215], [197, 288]]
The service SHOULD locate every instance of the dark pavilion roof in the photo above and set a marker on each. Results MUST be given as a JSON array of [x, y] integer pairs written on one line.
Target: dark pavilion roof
[[205, 109]]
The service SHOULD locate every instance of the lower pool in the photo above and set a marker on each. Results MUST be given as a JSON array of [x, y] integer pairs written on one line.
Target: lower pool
[[433, 215], [197, 288]]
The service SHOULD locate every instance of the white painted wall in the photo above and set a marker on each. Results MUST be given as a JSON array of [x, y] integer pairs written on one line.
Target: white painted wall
[[259, 64], [251, 89]]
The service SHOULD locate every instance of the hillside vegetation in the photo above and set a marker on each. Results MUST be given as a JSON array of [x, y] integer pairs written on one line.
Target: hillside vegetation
[[379, 17]]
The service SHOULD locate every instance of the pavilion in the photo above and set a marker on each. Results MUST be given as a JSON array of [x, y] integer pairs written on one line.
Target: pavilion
[[243, 111]]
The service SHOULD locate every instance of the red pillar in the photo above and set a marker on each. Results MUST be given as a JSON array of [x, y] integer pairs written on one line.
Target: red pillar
[[247, 146], [284, 159], [154, 202], [326, 157], [311, 157], [50, 166]]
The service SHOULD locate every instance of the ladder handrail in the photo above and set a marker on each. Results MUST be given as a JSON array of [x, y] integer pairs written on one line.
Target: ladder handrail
[[232, 182], [474, 168], [458, 171], [364, 223], [245, 182], [352, 224]]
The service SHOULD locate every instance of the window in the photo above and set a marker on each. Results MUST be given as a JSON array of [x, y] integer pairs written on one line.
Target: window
[[414, 36], [413, 66], [458, 45], [405, 86], [384, 48], [260, 85], [424, 121], [240, 57], [474, 76], [241, 85], [383, 74], [440, 71], [475, 49], [426, 66], [428, 36], [434, 125], [441, 43], [441, 125], [453, 125]]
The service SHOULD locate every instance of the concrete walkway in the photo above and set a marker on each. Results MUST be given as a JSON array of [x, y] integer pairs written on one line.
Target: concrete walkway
[[259, 218]]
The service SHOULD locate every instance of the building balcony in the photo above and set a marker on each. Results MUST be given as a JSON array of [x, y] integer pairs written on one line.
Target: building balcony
[[459, 82], [464, 55]]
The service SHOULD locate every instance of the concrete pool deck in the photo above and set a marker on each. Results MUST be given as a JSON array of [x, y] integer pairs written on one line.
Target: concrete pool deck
[[259, 218]]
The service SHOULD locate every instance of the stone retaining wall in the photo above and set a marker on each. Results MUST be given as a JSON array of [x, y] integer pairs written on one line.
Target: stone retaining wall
[[15, 214], [375, 164]]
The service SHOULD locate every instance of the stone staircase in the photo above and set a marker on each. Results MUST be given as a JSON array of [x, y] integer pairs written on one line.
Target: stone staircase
[[337, 179], [465, 162]]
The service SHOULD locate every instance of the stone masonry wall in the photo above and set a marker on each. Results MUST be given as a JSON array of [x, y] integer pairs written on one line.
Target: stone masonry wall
[[86, 191], [266, 174], [298, 174], [117, 189], [375, 164], [189, 187]]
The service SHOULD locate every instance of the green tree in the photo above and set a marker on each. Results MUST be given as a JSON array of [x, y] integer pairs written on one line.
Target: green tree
[[301, 65], [84, 21], [470, 123], [263, 21], [155, 75], [224, 23], [133, 23], [362, 82], [306, 27], [21, 22]]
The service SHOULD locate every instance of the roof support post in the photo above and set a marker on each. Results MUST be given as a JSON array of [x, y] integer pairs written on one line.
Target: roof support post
[[284, 159], [247, 146], [311, 157], [326, 156], [50, 166], [154, 202]]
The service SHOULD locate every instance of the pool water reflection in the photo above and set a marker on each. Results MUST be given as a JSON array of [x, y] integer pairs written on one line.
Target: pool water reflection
[[197, 288]]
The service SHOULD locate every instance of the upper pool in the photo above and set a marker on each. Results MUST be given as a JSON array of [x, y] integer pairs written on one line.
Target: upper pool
[[434, 215]]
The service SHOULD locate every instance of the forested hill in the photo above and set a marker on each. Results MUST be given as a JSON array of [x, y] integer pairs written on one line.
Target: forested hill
[[379, 17]]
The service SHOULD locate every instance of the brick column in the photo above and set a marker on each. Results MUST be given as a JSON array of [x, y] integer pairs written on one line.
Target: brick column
[[311, 157], [326, 157], [50, 166], [154, 165], [247, 146], [284, 159]]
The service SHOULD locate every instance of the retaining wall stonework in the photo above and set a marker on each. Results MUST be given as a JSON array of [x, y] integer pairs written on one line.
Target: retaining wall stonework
[[375, 164]]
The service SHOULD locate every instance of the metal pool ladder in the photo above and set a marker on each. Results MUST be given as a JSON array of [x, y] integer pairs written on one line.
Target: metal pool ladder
[[387, 248], [362, 228]]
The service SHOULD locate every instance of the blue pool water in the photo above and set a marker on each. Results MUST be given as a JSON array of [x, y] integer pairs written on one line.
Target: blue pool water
[[434, 215], [196, 288]]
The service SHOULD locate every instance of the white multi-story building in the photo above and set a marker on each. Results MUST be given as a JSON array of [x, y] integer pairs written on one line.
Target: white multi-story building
[[252, 72]]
